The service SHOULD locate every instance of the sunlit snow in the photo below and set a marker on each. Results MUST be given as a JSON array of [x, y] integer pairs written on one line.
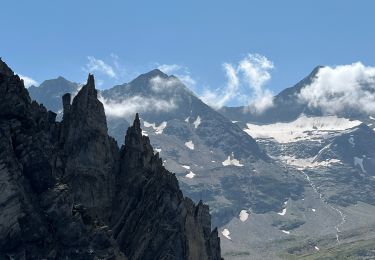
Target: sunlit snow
[[197, 122], [186, 167], [226, 233], [244, 215], [359, 161], [303, 128], [283, 212], [190, 175], [286, 232], [305, 163], [190, 145], [158, 129], [232, 161], [351, 141]]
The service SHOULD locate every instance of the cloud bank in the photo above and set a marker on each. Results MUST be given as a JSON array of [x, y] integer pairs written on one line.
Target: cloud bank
[[245, 83], [27, 81], [159, 84], [182, 72], [136, 104], [342, 88], [97, 65]]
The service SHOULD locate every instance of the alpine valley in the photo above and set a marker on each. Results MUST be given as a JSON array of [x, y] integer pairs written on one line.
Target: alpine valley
[[293, 182]]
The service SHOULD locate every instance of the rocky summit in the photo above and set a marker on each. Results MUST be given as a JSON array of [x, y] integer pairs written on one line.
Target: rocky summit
[[67, 191]]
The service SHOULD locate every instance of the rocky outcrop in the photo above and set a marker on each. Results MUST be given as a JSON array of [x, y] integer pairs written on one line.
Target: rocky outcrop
[[67, 190]]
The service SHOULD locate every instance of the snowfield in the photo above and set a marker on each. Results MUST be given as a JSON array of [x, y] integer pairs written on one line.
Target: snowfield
[[303, 128]]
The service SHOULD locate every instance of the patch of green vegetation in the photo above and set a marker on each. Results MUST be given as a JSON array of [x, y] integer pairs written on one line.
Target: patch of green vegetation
[[289, 224], [237, 253], [364, 249]]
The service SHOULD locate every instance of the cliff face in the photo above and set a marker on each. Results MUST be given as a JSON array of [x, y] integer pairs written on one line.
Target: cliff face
[[67, 190]]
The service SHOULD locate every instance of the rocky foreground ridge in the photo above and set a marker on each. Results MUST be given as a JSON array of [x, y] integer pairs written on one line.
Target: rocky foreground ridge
[[67, 191]]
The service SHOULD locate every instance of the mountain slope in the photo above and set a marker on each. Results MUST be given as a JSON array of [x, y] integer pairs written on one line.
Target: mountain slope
[[69, 192], [51, 91]]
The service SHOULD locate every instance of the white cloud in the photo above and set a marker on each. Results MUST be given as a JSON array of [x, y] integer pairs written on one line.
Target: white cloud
[[159, 84], [218, 98], [136, 104], [169, 68], [97, 65], [27, 81], [245, 83], [340, 88], [179, 71]]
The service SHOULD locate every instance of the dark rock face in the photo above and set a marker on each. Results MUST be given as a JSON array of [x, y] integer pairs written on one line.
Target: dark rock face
[[67, 190]]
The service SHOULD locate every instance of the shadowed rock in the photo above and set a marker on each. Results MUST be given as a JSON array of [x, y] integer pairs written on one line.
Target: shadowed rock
[[69, 192]]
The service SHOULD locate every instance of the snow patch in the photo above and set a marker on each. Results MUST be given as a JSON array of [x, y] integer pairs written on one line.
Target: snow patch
[[186, 167], [226, 233], [359, 162], [351, 141], [144, 133], [244, 215], [313, 210], [158, 129], [303, 128], [187, 119], [317, 248], [197, 122], [283, 212], [286, 232], [190, 145], [232, 161], [158, 150], [305, 163], [190, 175]]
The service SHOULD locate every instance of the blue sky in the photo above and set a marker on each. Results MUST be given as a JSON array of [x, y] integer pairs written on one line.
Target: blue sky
[[45, 39]]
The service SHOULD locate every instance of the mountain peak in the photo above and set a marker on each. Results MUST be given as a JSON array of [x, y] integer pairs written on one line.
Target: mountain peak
[[315, 71], [152, 74]]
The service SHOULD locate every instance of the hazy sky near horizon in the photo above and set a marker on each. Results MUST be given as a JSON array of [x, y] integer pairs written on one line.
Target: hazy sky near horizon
[[209, 44]]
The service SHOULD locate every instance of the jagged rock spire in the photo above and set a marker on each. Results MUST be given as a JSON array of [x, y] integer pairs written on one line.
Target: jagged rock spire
[[4, 69]]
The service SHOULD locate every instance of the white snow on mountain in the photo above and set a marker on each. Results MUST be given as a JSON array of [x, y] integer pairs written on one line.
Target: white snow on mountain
[[158, 129], [226, 233], [351, 141], [303, 128], [286, 232], [190, 175], [243, 215], [186, 167], [305, 163], [232, 161], [359, 161], [190, 145], [197, 122]]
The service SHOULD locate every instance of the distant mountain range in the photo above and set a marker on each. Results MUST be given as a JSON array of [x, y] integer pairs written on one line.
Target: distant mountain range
[[289, 182]]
